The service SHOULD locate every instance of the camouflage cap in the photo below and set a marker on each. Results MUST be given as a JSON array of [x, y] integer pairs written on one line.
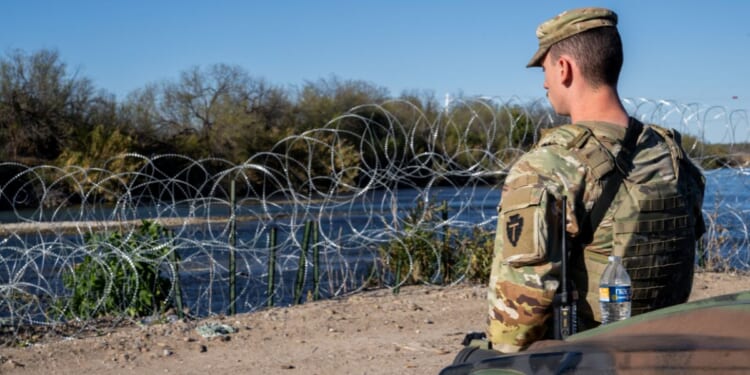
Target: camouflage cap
[[567, 24]]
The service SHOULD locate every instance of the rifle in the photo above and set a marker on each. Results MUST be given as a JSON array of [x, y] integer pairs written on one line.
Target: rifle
[[565, 311]]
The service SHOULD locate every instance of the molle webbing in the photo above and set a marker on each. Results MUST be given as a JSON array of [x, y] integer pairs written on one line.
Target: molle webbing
[[661, 204], [655, 225], [653, 247]]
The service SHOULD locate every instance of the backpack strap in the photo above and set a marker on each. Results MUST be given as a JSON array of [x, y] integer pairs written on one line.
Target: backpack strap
[[592, 220]]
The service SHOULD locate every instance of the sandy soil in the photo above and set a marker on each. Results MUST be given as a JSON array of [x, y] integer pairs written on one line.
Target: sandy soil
[[375, 332]]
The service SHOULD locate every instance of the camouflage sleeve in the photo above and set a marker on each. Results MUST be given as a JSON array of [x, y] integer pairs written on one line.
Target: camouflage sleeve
[[523, 280]]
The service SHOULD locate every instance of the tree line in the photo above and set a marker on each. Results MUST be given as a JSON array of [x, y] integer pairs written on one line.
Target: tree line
[[54, 116], [51, 115], [48, 112]]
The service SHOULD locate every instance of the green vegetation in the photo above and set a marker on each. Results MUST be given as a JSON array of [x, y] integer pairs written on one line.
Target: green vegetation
[[422, 254], [121, 274]]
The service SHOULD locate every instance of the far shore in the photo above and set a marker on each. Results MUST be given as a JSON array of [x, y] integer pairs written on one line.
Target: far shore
[[95, 225]]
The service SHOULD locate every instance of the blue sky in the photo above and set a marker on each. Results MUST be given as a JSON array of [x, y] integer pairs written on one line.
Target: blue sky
[[688, 51]]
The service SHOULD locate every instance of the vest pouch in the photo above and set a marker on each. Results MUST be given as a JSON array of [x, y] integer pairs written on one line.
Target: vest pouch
[[525, 225]]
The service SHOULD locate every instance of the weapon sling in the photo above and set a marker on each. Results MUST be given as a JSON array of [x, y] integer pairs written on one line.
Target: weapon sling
[[622, 168]]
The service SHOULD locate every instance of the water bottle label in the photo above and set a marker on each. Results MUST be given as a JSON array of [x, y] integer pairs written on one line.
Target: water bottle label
[[620, 293]]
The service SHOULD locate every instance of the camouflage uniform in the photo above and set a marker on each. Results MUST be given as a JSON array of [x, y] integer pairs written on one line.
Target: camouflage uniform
[[658, 237], [653, 221]]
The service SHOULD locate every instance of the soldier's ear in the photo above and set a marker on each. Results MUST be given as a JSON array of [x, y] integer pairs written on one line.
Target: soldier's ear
[[565, 66]]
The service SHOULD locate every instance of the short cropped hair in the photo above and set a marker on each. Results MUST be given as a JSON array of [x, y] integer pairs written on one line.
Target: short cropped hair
[[598, 53]]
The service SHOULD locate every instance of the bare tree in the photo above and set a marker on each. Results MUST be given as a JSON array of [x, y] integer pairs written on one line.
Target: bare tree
[[42, 106]]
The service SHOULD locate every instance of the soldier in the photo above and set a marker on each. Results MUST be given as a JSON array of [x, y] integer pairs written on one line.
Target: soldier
[[631, 191]]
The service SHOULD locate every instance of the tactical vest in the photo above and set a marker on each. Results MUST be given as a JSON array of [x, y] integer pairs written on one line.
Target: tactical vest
[[654, 220]]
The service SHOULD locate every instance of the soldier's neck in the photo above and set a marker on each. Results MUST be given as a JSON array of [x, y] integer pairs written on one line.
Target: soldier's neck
[[601, 104]]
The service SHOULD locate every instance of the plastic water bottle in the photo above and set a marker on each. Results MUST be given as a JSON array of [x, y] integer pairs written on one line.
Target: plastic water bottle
[[614, 291]]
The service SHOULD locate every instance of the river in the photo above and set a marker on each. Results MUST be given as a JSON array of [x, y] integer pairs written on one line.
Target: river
[[350, 231]]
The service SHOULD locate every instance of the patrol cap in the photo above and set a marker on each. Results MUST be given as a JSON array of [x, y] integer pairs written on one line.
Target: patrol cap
[[567, 24]]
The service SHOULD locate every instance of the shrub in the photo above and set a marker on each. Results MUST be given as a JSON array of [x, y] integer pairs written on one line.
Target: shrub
[[424, 254], [121, 274], [479, 248]]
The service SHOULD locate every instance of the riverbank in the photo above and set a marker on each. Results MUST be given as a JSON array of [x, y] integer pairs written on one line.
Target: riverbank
[[375, 332], [67, 227]]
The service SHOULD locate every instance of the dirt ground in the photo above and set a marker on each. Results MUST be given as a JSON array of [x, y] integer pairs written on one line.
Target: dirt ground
[[375, 332]]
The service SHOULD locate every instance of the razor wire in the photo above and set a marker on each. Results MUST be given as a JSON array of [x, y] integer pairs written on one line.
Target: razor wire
[[360, 178]]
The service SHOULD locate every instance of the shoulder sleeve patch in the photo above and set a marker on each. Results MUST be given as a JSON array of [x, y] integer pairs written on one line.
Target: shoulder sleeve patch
[[523, 225]]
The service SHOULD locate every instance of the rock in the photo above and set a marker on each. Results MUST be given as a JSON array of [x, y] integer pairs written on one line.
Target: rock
[[213, 330], [12, 364]]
